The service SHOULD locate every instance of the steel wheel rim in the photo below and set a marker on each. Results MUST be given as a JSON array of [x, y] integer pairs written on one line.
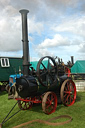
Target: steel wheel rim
[[49, 103], [25, 105], [68, 92]]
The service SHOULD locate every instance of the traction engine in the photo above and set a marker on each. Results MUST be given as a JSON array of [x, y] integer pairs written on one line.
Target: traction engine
[[46, 85]]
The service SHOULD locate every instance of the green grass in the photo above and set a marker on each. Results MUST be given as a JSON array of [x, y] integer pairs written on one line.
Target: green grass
[[76, 111]]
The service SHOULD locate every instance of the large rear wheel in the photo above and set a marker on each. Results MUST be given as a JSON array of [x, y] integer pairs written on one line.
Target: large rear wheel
[[49, 102], [68, 92]]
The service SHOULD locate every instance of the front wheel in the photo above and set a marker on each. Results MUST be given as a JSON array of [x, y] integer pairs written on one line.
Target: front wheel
[[24, 105]]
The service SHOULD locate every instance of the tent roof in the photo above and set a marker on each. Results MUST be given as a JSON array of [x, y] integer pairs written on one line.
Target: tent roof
[[78, 67], [34, 64]]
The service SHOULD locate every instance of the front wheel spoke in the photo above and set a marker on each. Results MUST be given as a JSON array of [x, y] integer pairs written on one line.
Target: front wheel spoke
[[25, 105], [22, 103]]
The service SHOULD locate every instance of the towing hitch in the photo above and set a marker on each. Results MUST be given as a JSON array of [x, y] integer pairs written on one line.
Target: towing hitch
[[7, 118]]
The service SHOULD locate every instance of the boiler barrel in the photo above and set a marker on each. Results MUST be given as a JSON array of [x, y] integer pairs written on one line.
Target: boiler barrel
[[26, 86]]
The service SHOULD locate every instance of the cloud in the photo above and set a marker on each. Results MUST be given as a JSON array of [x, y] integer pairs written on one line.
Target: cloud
[[10, 34], [52, 24], [43, 52], [82, 47], [57, 40], [11, 31], [61, 4], [74, 29], [4, 3], [74, 25], [45, 10], [11, 54], [52, 47], [35, 27]]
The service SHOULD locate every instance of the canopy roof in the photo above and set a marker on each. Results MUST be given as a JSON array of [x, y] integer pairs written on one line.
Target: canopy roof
[[34, 64], [78, 67]]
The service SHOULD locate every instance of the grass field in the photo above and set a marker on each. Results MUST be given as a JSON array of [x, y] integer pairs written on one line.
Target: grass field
[[77, 112]]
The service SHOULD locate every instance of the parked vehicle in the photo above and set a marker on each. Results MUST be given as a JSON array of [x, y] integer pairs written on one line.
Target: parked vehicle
[[43, 84]]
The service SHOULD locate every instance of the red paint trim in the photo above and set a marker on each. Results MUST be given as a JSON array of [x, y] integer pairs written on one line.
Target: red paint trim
[[33, 100], [51, 103], [70, 98], [67, 71]]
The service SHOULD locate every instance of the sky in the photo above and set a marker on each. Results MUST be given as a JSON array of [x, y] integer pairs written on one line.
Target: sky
[[55, 28]]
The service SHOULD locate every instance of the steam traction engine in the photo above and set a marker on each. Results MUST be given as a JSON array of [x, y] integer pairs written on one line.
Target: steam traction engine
[[44, 84]]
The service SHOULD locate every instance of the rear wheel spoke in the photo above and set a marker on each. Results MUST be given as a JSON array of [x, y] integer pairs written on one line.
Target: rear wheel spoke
[[66, 100], [65, 94], [49, 102], [69, 92], [48, 106]]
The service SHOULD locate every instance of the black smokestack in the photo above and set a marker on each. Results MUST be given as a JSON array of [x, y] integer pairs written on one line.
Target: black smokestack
[[72, 60], [25, 41]]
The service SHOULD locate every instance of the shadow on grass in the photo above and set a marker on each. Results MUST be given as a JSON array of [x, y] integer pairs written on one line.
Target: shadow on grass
[[3, 93], [38, 107], [78, 98]]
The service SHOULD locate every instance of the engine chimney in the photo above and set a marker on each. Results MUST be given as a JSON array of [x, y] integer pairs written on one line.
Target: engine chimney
[[25, 41], [72, 60]]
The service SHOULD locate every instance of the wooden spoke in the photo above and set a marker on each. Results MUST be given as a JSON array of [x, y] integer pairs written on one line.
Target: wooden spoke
[[49, 102], [68, 92]]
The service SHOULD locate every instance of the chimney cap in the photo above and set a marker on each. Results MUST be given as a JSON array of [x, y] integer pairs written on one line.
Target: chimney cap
[[24, 11]]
